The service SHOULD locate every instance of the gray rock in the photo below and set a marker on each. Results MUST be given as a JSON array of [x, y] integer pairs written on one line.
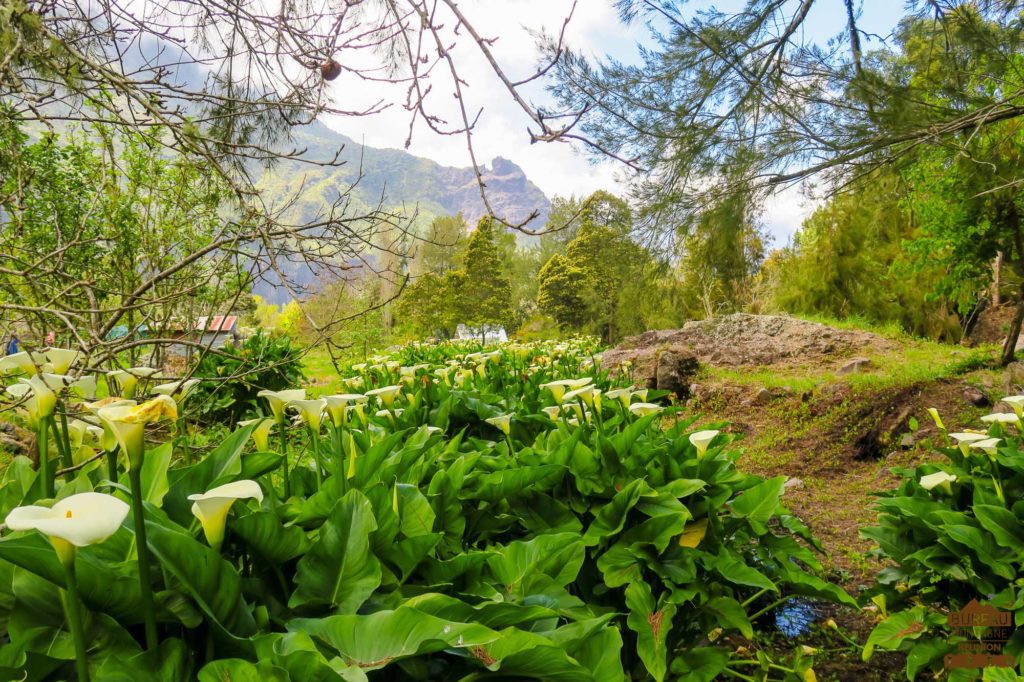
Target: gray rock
[[854, 366], [761, 396], [976, 397]]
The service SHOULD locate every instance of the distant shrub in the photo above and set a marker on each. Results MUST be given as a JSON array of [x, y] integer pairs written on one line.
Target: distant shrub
[[262, 361]]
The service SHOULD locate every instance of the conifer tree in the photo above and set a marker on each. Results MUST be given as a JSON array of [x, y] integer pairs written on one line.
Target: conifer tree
[[486, 297]]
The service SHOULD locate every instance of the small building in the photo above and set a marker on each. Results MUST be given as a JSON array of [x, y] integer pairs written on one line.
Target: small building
[[214, 331], [486, 334]]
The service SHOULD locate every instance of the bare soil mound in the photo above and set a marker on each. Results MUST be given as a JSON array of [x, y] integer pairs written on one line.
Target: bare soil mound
[[742, 340]]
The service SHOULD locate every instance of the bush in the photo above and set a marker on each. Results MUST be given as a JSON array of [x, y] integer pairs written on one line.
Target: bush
[[262, 361], [955, 531]]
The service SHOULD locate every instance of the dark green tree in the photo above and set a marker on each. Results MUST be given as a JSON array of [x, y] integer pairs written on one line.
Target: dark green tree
[[561, 287], [485, 296]]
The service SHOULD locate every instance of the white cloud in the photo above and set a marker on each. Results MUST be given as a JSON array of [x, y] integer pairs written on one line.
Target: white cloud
[[557, 168]]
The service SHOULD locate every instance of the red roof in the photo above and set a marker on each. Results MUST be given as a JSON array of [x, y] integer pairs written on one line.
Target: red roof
[[219, 323]]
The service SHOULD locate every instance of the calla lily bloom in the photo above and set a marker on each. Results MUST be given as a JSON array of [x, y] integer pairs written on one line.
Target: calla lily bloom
[[552, 412], [261, 434], [211, 507], [388, 413], [701, 440], [311, 411], [965, 439], [18, 363], [127, 379], [60, 359], [386, 394], [503, 422], [76, 521], [128, 424], [277, 400], [1016, 402], [644, 409], [620, 394], [40, 401], [337, 406], [179, 390], [936, 418], [939, 479], [85, 387], [557, 388], [586, 394], [641, 394], [1000, 418], [988, 446]]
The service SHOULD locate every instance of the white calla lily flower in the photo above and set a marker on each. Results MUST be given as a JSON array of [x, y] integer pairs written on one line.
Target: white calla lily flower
[[1000, 418], [503, 422], [936, 418], [644, 409], [386, 394], [701, 440], [211, 507], [128, 379], [621, 394], [76, 521], [179, 390], [61, 359], [261, 434], [311, 411], [337, 406], [1016, 402], [18, 363], [940, 479], [965, 438], [552, 412], [988, 445], [128, 423], [278, 399]]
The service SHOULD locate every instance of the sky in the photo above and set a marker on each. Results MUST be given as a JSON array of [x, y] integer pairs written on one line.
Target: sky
[[595, 29]]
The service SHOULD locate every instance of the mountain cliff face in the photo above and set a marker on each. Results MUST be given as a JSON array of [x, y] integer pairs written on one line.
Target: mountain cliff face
[[401, 179], [393, 179]]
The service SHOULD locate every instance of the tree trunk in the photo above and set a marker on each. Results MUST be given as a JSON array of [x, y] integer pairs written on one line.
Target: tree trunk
[[1010, 347], [997, 278]]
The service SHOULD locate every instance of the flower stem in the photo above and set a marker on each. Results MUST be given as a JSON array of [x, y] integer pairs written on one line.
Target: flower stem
[[112, 464], [44, 456], [63, 441], [145, 589], [314, 441], [72, 605], [284, 452]]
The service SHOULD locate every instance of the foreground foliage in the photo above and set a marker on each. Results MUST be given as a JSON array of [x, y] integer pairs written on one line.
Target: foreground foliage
[[458, 514]]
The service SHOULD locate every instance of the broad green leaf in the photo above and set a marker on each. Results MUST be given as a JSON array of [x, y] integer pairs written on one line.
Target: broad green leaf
[[220, 466], [538, 565], [238, 670], [378, 639], [759, 503], [733, 569], [1003, 524], [112, 589], [894, 630], [611, 518], [702, 664], [652, 625], [203, 573], [169, 662], [339, 570], [730, 614], [265, 534], [154, 474]]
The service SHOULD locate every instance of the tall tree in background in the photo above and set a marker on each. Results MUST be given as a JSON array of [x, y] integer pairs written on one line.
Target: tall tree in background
[[561, 294], [485, 297]]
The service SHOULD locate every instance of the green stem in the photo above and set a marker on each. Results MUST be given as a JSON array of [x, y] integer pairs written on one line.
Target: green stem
[[63, 442], [777, 602], [146, 590], [112, 464], [44, 456], [72, 606], [314, 442], [182, 430], [754, 597], [283, 435]]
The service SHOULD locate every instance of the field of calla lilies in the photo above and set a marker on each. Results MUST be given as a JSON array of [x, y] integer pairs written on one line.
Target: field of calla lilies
[[458, 514]]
